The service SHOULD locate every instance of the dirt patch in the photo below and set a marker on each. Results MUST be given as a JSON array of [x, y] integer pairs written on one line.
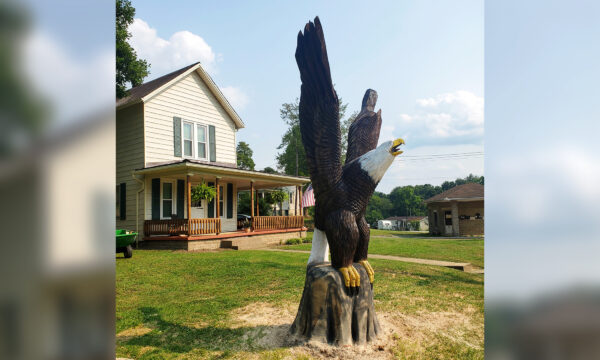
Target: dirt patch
[[268, 328], [133, 332]]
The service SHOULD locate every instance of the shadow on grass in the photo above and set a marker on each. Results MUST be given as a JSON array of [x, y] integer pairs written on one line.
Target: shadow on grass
[[172, 337]]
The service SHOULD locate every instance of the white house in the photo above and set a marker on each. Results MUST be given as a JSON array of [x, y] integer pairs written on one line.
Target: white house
[[173, 133]]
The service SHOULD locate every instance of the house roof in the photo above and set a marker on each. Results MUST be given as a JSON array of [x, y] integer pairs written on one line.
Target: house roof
[[147, 90], [198, 167], [470, 191]]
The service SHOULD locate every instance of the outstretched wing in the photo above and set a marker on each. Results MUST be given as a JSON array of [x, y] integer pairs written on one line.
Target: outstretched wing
[[364, 131], [319, 109]]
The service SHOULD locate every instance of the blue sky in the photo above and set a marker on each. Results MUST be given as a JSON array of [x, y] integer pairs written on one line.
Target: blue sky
[[425, 59]]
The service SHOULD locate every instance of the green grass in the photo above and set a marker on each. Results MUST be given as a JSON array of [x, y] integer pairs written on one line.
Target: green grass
[[419, 245], [173, 304]]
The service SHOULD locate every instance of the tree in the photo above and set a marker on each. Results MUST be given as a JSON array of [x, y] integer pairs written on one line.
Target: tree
[[406, 202], [129, 69], [244, 156], [379, 208], [292, 160], [264, 208], [269, 170], [22, 113]]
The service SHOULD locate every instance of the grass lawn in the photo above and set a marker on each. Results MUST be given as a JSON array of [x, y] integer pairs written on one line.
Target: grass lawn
[[420, 245], [186, 305]]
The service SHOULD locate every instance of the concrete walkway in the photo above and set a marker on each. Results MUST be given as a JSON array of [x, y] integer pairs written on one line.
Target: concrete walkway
[[466, 267]]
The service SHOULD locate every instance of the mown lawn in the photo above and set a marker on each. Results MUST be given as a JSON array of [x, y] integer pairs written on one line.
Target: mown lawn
[[419, 245], [181, 305]]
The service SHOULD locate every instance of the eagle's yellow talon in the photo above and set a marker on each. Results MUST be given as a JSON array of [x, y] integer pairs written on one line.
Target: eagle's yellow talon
[[344, 271], [369, 269], [351, 276], [357, 276]]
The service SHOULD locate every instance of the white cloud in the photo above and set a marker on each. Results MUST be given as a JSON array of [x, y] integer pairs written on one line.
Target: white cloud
[[181, 49], [74, 86], [451, 118], [236, 97], [165, 55]]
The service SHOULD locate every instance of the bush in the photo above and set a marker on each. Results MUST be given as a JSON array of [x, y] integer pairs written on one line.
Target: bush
[[307, 240], [295, 241]]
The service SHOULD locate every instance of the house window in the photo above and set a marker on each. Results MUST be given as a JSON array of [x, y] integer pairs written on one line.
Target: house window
[[188, 142], [201, 142], [195, 140], [220, 201], [118, 210], [167, 199], [435, 218]]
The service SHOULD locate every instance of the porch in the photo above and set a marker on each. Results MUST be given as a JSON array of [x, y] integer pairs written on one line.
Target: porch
[[212, 226], [236, 240], [170, 214]]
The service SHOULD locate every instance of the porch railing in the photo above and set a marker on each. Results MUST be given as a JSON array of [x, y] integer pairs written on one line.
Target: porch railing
[[205, 226], [180, 227], [277, 222]]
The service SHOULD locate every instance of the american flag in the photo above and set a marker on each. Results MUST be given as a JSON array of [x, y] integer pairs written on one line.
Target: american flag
[[308, 198]]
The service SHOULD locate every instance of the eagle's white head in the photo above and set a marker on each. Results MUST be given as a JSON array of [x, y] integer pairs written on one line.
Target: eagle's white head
[[377, 161]]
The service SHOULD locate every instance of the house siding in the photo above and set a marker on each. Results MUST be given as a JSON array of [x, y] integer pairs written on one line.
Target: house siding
[[130, 156], [189, 99]]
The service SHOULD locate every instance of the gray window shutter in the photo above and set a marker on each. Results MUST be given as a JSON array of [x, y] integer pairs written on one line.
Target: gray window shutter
[[123, 207], [211, 204], [229, 200], [212, 144], [180, 196], [156, 199], [177, 136]]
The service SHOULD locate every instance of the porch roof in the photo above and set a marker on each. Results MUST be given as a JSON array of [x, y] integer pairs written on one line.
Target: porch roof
[[188, 167]]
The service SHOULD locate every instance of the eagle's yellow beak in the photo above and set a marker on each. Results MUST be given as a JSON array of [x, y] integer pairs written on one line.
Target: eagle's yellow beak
[[395, 149]]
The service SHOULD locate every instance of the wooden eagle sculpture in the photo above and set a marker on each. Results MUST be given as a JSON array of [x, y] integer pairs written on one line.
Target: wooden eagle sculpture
[[341, 192]]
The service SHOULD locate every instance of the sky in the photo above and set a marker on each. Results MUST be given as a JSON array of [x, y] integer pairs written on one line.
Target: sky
[[424, 58]]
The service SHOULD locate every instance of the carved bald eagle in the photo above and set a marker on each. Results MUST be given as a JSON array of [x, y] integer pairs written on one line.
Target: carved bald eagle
[[341, 193]]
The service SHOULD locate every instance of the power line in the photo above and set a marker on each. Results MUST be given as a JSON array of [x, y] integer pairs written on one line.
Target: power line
[[448, 154]]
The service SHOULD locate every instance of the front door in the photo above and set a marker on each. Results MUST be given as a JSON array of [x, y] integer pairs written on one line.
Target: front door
[[448, 222], [198, 209]]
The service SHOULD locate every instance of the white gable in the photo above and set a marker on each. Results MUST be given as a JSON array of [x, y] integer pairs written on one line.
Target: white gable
[[190, 99]]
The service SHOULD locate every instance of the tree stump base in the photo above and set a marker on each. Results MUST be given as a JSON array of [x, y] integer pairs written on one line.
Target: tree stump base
[[328, 314]]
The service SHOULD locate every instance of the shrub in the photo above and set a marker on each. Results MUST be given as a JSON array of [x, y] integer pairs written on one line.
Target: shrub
[[294, 241], [307, 240]]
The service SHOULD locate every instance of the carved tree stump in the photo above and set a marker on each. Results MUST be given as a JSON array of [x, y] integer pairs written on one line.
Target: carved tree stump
[[328, 314]]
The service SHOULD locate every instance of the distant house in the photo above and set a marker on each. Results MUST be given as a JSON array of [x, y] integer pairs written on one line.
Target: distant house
[[407, 223], [174, 133], [457, 211]]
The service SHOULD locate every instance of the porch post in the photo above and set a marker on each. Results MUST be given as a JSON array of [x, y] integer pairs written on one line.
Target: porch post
[[217, 202], [296, 202], [257, 204], [188, 189], [252, 203], [455, 228], [300, 201]]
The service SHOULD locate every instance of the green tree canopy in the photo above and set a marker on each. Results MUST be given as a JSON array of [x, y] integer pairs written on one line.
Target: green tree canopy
[[292, 160], [129, 68], [264, 208], [409, 200], [244, 156], [269, 170], [22, 114]]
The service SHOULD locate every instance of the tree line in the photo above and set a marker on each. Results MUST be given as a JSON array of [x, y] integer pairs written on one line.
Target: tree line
[[408, 200]]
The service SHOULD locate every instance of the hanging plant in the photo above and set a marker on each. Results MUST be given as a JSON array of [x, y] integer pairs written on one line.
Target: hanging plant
[[203, 191]]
